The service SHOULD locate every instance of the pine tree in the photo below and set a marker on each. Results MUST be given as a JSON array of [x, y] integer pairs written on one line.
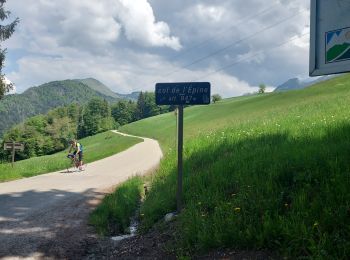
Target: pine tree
[[140, 108], [5, 32]]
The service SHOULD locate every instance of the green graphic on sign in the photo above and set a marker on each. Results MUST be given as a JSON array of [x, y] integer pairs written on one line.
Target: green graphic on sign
[[338, 45]]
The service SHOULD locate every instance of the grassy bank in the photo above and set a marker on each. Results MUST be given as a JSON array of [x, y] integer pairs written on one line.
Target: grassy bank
[[112, 216], [95, 148], [269, 171]]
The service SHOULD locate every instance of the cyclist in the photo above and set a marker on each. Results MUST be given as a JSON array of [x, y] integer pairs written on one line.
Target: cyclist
[[77, 150]]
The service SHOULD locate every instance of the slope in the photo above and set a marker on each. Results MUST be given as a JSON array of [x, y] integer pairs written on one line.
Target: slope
[[103, 89], [268, 171], [99, 87]]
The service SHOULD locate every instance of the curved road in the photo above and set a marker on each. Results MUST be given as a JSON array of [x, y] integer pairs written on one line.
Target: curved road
[[46, 216]]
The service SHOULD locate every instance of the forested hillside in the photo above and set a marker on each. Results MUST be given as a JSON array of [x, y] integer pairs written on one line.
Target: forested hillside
[[39, 100], [50, 133]]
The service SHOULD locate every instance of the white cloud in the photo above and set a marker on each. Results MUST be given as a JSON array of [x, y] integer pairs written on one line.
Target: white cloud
[[251, 57], [139, 23], [209, 13], [91, 25], [124, 76], [229, 86], [88, 23], [117, 42]]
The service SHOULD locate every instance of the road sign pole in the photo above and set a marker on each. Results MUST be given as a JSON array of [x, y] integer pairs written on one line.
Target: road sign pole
[[179, 157], [13, 153], [180, 94]]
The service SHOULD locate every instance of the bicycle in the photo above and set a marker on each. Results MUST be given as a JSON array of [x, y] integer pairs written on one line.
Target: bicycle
[[75, 164]]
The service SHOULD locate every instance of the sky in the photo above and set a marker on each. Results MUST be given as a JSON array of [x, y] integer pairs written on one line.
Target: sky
[[130, 45]]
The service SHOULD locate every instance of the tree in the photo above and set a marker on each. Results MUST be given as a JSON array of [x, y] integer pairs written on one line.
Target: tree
[[216, 98], [151, 108], [95, 118], [123, 112], [146, 106], [5, 32], [140, 107], [262, 88]]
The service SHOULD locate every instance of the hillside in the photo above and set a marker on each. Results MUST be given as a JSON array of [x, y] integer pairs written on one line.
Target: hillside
[[38, 100], [99, 87], [260, 172], [103, 89]]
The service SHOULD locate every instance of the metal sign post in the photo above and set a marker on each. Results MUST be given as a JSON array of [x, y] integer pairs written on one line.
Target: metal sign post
[[180, 137], [13, 147], [184, 93]]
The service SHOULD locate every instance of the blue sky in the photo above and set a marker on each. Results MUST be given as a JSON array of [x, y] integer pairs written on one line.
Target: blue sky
[[131, 45]]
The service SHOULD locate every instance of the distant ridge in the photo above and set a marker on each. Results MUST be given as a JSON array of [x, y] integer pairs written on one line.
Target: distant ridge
[[16, 108], [103, 89], [99, 87], [295, 83], [133, 96]]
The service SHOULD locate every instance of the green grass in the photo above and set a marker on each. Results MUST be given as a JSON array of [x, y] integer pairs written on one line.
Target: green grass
[[95, 148], [112, 216], [261, 172]]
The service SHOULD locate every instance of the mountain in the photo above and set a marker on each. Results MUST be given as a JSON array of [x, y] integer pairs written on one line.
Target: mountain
[[133, 96], [16, 108], [99, 87], [296, 83], [103, 89]]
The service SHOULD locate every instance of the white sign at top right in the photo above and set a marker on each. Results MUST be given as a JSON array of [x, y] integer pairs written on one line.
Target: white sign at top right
[[329, 37]]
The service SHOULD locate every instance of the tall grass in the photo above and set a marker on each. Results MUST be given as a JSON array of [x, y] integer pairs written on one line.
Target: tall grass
[[95, 148], [113, 215], [271, 172]]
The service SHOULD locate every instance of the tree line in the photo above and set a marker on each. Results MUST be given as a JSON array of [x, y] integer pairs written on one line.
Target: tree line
[[50, 133]]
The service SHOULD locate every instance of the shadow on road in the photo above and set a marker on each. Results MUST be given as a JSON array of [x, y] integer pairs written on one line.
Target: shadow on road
[[51, 227]]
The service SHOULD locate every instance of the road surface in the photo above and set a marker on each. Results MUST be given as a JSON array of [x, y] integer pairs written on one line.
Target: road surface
[[44, 216]]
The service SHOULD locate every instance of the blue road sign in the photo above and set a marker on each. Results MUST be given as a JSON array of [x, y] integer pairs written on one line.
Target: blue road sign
[[183, 93]]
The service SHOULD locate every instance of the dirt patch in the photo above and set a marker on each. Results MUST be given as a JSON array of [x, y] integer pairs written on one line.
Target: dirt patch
[[158, 243]]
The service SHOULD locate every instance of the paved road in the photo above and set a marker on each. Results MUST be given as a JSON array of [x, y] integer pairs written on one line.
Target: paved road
[[43, 216]]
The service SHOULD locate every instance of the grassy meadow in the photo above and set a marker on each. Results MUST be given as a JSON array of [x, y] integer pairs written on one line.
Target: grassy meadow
[[267, 171], [95, 148]]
